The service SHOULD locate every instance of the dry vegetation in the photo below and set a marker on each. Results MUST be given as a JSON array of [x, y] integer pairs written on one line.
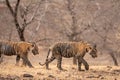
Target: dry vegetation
[[50, 21], [99, 70]]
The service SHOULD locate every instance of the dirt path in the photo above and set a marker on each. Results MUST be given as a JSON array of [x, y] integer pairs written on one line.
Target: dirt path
[[95, 73], [98, 70]]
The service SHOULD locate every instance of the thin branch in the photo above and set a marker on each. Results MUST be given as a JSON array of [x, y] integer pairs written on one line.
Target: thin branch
[[39, 21], [34, 13], [46, 7], [16, 7], [33, 16], [10, 7]]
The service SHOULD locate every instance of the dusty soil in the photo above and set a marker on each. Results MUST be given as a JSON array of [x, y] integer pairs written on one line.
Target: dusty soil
[[101, 68]]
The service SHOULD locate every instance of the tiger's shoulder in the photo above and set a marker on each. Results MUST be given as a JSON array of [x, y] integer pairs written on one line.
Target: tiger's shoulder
[[23, 45]]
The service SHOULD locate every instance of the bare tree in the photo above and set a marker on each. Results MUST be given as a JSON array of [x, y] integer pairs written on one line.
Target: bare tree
[[72, 31], [108, 28], [20, 14], [14, 13]]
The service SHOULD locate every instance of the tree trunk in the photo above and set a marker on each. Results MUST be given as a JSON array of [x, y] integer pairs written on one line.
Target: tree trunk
[[19, 29], [21, 35], [14, 13]]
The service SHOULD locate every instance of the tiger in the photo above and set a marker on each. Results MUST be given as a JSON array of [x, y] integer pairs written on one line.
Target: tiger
[[68, 50], [20, 49]]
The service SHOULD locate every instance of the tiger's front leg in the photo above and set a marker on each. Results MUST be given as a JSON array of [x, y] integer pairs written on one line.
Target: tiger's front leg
[[79, 64], [26, 61], [74, 61], [81, 60]]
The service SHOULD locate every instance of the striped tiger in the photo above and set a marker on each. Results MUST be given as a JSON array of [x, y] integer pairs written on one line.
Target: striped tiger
[[68, 50], [20, 49]]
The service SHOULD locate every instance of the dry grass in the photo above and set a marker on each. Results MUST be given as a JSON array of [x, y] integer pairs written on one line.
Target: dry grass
[[97, 71]]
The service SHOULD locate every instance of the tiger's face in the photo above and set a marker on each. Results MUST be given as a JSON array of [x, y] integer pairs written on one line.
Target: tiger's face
[[93, 51], [35, 49]]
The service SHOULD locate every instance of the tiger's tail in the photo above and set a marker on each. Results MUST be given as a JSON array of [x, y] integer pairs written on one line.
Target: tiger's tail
[[46, 58]]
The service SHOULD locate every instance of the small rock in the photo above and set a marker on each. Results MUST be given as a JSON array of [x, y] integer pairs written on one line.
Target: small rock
[[102, 78], [27, 75], [40, 73], [94, 76], [73, 68], [51, 76]]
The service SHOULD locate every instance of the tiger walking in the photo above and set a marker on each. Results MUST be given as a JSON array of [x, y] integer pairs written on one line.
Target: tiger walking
[[68, 50], [20, 49]]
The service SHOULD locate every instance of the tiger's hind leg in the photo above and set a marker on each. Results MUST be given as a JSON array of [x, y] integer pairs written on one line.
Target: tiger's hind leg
[[79, 64], [74, 61], [17, 60], [49, 61], [59, 62]]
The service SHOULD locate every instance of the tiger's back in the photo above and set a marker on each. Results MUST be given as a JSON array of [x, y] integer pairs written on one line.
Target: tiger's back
[[69, 49], [7, 48], [63, 49]]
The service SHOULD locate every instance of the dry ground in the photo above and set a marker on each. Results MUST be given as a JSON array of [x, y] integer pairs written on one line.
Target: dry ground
[[101, 68]]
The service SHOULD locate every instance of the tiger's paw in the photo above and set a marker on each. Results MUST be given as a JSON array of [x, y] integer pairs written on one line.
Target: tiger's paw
[[30, 66]]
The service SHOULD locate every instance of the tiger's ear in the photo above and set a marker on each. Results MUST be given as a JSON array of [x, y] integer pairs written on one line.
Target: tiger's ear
[[88, 48], [28, 48], [33, 44]]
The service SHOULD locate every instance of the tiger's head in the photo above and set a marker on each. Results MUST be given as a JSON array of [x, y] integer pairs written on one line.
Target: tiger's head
[[34, 48], [92, 50]]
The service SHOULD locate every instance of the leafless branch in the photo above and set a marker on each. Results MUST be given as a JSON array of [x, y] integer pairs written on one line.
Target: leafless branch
[[41, 17], [10, 7]]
